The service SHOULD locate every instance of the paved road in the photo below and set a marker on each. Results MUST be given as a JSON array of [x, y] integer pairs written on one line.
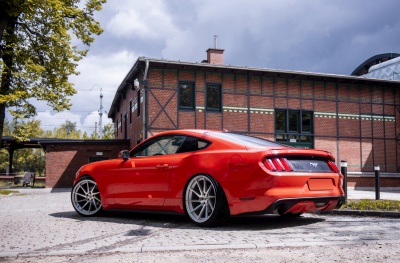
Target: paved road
[[42, 226]]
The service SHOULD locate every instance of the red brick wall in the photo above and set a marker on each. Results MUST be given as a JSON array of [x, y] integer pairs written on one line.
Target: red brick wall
[[369, 181], [64, 160]]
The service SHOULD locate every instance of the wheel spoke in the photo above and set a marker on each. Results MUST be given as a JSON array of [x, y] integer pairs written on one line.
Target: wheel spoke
[[196, 208], [83, 189], [94, 203], [208, 190], [201, 212], [211, 206], [204, 186], [81, 195], [199, 187], [193, 191], [87, 202]]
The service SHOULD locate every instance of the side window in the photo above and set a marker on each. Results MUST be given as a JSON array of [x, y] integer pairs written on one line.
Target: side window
[[160, 146], [192, 144], [186, 95]]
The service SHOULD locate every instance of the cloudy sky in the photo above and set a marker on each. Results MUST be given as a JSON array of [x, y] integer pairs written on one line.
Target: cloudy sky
[[305, 35]]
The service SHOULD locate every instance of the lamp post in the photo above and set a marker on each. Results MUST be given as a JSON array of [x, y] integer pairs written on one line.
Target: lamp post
[[343, 168], [377, 183]]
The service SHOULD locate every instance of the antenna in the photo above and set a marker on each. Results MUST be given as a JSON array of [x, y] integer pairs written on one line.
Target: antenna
[[100, 111], [215, 41], [101, 114]]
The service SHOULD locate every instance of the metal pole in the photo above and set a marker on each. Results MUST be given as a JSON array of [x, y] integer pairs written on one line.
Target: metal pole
[[343, 168], [377, 183]]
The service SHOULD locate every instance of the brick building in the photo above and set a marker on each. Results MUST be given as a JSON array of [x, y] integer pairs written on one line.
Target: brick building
[[65, 157], [355, 118]]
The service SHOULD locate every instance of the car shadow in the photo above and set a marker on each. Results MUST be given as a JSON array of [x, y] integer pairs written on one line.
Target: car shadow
[[168, 220]]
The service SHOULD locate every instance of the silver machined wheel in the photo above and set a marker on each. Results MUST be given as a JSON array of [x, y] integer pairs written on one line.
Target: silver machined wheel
[[200, 198], [85, 197]]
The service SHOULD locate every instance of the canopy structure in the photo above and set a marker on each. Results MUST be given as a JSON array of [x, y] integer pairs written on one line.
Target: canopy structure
[[389, 70], [374, 60]]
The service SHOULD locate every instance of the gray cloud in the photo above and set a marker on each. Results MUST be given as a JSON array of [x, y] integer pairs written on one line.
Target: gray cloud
[[306, 35]]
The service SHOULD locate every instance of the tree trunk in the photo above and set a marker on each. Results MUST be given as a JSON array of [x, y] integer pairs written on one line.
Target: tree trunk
[[2, 118], [3, 22], [6, 75]]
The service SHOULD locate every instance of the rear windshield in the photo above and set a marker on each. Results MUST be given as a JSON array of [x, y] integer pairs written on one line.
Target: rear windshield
[[244, 139]]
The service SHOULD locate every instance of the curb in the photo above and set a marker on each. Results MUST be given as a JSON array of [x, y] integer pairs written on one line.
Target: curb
[[362, 213]]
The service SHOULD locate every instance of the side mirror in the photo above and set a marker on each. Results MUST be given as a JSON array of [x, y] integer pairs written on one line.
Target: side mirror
[[124, 155]]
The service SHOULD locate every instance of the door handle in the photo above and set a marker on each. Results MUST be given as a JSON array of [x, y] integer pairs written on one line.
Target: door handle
[[160, 166]]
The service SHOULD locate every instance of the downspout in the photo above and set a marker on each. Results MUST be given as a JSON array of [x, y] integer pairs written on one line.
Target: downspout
[[144, 132]]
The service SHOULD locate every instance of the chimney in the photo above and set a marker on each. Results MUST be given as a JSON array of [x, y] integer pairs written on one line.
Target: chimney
[[215, 55]]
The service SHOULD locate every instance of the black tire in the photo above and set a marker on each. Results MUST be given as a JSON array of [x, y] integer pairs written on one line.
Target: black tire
[[85, 197], [205, 202]]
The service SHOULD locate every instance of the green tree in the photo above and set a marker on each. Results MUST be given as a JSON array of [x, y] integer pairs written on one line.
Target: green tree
[[67, 130], [108, 131], [37, 54], [32, 160]]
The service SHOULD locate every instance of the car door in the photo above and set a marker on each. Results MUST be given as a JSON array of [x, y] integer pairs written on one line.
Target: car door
[[143, 180]]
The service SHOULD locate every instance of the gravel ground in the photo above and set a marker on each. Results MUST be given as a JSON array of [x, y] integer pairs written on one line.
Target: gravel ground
[[335, 253], [41, 226]]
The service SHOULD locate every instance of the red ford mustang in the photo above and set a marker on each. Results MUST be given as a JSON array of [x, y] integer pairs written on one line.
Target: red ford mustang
[[209, 176]]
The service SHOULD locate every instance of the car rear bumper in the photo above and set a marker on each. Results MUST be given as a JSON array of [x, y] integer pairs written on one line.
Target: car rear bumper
[[302, 205]]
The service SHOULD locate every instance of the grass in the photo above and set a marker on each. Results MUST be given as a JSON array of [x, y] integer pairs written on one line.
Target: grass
[[372, 205], [7, 192], [4, 184]]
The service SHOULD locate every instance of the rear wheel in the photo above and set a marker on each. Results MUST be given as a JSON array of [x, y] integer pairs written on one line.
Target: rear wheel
[[205, 201], [85, 197]]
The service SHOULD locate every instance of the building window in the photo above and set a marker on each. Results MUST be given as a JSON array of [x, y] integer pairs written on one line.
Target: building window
[[294, 128], [130, 112], [186, 95], [213, 97], [117, 127], [138, 103], [121, 123]]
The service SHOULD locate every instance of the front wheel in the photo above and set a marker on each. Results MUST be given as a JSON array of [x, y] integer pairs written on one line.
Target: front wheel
[[85, 197], [205, 201]]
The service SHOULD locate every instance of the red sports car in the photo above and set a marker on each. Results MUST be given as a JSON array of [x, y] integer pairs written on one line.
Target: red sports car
[[209, 176]]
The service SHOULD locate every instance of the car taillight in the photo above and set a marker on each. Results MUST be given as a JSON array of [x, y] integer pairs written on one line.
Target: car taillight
[[333, 166], [279, 164]]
